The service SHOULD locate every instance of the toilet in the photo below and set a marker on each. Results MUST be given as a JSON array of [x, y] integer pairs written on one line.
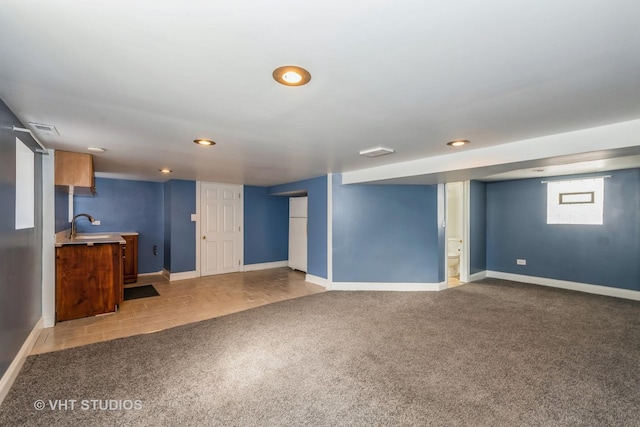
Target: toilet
[[454, 247]]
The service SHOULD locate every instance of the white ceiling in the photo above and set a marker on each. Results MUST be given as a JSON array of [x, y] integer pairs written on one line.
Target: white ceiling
[[144, 78]]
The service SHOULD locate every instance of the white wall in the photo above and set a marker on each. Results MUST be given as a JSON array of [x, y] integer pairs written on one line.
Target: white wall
[[48, 241]]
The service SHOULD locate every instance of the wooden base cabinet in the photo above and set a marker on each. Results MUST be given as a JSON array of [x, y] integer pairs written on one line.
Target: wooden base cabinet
[[130, 258], [88, 280]]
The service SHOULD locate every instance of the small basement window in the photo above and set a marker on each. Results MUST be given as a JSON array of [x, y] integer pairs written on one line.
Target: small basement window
[[25, 186], [576, 201]]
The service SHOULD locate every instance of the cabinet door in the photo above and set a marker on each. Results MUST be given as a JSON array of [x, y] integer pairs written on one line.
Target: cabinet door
[[74, 169], [130, 258], [298, 207], [88, 280]]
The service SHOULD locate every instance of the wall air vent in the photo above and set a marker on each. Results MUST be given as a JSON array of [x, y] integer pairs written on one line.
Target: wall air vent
[[44, 129], [376, 152]]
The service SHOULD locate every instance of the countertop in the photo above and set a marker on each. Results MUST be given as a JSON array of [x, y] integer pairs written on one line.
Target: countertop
[[90, 238]]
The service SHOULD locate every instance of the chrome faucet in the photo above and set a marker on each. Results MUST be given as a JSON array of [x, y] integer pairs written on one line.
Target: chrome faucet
[[73, 223]]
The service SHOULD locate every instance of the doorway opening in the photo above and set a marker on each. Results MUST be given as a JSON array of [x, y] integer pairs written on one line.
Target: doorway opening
[[456, 232]]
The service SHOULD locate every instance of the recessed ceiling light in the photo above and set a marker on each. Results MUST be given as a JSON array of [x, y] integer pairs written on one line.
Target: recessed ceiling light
[[375, 152], [458, 142], [204, 142], [165, 170], [290, 75], [96, 149]]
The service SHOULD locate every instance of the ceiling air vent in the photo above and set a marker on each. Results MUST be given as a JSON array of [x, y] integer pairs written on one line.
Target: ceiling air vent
[[375, 152], [45, 129]]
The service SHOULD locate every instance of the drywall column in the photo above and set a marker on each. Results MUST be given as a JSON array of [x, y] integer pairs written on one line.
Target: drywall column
[[179, 230], [48, 241]]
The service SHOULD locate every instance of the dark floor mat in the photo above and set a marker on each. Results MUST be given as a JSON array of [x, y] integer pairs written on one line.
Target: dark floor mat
[[140, 292]]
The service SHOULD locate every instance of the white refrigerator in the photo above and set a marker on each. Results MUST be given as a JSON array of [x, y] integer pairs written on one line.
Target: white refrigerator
[[298, 233]]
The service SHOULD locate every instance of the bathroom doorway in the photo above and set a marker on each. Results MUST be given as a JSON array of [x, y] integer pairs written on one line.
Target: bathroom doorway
[[456, 232]]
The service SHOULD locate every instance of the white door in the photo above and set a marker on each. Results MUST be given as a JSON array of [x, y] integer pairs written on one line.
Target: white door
[[298, 244], [220, 228]]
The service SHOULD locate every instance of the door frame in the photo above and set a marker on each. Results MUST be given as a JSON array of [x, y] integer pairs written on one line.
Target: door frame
[[465, 260], [465, 254], [197, 216]]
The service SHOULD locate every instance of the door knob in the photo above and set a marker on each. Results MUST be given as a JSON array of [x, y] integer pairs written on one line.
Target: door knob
[[204, 237]]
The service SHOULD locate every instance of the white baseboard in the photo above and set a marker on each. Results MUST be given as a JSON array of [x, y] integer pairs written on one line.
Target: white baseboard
[[265, 265], [155, 273], [48, 321], [441, 286], [478, 276], [380, 286], [564, 284], [183, 275], [316, 280], [14, 368]]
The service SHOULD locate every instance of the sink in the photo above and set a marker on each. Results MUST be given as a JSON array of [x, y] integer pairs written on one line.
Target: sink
[[91, 236]]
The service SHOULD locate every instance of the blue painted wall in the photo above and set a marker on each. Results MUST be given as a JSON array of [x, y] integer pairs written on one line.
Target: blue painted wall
[[61, 207], [166, 209], [316, 189], [125, 205], [477, 227], [597, 254], [266, 226], [179, 204], [385, 233], [20, 250]]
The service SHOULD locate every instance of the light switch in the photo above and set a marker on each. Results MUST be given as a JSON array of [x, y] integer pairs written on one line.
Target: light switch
[[194, 217]]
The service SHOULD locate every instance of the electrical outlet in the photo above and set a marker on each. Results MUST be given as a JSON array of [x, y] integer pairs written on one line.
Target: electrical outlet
[[96, 222], [521, 261]]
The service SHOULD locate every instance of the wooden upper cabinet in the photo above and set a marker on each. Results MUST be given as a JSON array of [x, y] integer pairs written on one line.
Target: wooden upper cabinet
[[74, 169]]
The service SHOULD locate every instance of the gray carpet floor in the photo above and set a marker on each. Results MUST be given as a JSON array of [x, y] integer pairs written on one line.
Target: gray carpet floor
[[491, 353]]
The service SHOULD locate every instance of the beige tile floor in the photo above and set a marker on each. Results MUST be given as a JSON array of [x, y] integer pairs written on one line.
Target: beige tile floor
[[179, 303]]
